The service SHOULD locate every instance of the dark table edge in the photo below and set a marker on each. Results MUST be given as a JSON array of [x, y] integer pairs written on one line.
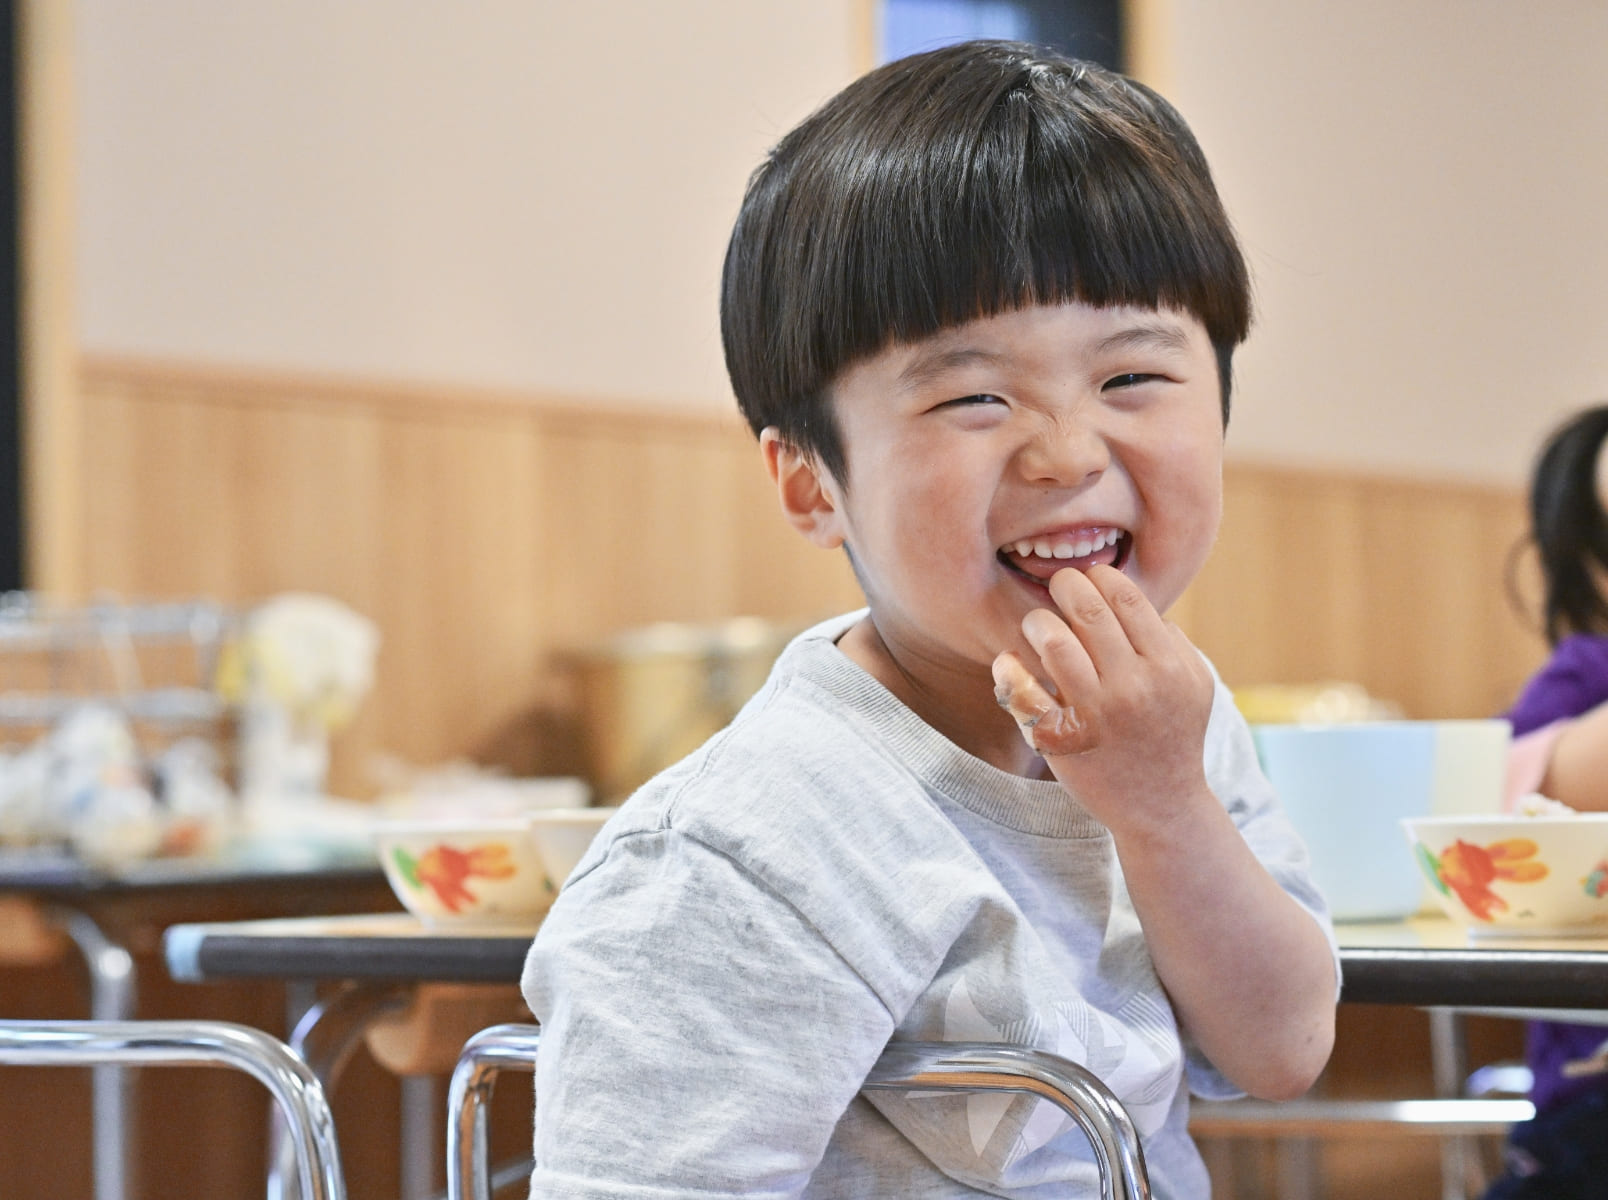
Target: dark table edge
[[1430, 978], [218, 956], [1422, 978], [56, 881]]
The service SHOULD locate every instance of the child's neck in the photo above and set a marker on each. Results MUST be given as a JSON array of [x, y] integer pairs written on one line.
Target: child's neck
[[961, 708]]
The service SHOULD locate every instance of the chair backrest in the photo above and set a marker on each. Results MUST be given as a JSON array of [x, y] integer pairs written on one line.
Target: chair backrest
[[992, 1066], [309, 1122], [929, 1066]]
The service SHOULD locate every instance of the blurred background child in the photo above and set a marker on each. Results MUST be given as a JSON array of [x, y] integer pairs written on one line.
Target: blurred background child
[[1560, 728]]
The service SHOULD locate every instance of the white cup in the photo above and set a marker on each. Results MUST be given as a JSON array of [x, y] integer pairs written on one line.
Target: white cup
[[1470, 766], [1470, 770]]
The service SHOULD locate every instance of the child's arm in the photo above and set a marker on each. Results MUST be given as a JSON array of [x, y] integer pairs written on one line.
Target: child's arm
[[1249, 972], [1576, 771]]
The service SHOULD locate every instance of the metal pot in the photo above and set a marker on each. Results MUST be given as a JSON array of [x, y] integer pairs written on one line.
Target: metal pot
[[651, 696]]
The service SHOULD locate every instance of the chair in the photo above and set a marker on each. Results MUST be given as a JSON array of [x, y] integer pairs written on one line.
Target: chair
[[930, 1066], [310, 1125]]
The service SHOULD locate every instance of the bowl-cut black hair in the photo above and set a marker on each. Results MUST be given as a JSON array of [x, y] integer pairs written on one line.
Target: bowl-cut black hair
[[960, 183]]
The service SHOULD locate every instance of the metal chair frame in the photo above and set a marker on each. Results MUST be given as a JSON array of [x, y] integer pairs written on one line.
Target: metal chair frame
[[928, 1066], [309, 1123]]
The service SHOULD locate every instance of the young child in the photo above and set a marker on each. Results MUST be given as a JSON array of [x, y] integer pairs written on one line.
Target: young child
[[1560, 726], [980, 310]]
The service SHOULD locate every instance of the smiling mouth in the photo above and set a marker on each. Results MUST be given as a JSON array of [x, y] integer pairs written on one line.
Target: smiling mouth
[[1038, 558]]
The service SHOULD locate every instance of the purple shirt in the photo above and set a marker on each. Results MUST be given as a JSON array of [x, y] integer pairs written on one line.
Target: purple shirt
[[1573, 681]]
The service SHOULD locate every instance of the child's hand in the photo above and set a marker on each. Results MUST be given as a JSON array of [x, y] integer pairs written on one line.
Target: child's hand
[[1126, 730]]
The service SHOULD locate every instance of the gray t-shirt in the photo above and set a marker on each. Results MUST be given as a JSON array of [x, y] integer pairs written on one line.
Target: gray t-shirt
[[745, 936]]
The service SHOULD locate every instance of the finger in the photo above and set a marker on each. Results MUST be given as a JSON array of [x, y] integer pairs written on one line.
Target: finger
[[1089, 616], [1050, 728], [1146, 630], [1067, 666]]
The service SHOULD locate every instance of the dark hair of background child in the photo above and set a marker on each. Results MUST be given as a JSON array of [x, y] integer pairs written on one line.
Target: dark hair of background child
[[964, 182], [1569, 528]]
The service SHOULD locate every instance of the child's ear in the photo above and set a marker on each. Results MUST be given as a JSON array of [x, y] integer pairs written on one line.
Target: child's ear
[[809, 495]]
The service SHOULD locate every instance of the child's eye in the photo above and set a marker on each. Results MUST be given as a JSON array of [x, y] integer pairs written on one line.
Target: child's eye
[[981, 398], [1132, 379]]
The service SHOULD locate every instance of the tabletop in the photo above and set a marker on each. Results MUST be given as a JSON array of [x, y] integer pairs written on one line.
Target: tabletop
[[58, 874], [1423, 962], [1431, 962], [387, 946]]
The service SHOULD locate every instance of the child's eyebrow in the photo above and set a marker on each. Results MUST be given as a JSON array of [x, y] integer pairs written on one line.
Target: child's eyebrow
[[926, 367], [1145, 337]]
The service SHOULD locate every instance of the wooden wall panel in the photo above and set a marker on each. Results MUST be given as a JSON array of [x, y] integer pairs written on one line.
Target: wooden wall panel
[[644, 528], [491, 536], [459, 559], [1398, 585], [673, 519], [1274, 603]]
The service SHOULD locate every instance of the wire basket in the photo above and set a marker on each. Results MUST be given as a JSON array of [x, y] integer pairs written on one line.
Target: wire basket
[[155, 663], [143, 678]]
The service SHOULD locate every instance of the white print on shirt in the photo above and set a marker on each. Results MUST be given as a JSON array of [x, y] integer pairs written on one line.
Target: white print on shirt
[[1122, 1053]]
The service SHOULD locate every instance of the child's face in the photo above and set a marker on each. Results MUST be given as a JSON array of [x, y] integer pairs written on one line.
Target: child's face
[[989, 456]]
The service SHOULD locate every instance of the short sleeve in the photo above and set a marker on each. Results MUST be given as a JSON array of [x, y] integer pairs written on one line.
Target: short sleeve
[[699, 1037], [1573, 681]]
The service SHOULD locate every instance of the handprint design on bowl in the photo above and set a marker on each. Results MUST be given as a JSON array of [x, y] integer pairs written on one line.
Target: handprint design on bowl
[[447, 870], [1468, 871], [1535, 875]]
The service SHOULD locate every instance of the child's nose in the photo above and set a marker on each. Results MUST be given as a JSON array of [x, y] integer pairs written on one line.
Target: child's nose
[[1065, 453]]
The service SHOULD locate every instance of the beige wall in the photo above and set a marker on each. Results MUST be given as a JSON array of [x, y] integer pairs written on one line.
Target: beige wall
[[534, 194], [500, 192], [1423, 191]]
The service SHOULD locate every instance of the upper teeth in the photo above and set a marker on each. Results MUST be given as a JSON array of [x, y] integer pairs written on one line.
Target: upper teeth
[[1056, 548]]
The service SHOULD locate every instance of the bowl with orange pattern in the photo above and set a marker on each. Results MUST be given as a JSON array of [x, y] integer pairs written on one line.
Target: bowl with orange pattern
[[1543, 876], [474, 871]]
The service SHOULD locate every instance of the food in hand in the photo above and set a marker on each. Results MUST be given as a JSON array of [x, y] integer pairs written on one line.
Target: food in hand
[[1050, 728]]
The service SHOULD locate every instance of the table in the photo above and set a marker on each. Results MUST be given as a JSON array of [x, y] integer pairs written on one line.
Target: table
[[383, 959], [386, 947], [1425, 962], [107, 914], [1431, 962]]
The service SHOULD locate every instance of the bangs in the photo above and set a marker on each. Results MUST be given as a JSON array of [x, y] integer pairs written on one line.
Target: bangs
[[1031, 210]]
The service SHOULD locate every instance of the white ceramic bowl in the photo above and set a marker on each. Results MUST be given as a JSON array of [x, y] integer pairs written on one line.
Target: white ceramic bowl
[[1506, 875], [562, 836], [484, 871]]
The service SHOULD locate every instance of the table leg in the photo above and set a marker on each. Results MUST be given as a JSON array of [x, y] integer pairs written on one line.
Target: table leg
[[324, 1039], [1296, 1169], [1448, 1056], [421, 1130], [111, 998]]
